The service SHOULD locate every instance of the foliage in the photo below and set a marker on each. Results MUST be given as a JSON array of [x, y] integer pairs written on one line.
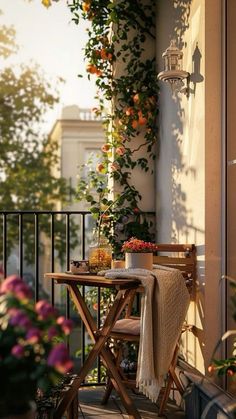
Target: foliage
[[227, 366], [29, 165], [7, 40], [128, 105], [32, 354]]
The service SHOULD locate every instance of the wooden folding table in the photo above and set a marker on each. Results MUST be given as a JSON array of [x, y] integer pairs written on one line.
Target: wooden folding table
[[124, 288]]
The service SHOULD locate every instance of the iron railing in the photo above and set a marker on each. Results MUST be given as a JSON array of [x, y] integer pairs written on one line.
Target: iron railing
[[22, 232], [45, 241]]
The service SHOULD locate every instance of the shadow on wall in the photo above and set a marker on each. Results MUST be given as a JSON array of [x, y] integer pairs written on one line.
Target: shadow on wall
[[180, 221]]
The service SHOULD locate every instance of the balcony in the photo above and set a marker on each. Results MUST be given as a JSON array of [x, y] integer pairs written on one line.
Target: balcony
[[48, 244]]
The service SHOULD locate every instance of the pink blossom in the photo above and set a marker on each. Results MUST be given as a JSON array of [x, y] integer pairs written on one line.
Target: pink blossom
[[59, 359], [52, 332], [19, 318], [105, 148], [44, 309], [115, 166], [17, 351], [33, 335], [16, 286], [120, 150], [66, 324], [100, 168]]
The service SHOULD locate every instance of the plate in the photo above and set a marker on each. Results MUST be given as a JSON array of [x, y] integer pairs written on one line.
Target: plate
[[78, 273]]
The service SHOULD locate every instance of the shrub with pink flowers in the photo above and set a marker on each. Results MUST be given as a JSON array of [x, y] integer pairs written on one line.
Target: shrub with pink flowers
[[134, 245], [33, 355]]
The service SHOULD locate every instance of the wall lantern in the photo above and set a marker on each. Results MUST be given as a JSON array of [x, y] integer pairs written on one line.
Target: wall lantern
[[173, 72]]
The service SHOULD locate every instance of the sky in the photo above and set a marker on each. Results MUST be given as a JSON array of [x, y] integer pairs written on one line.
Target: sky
[[49, 37]]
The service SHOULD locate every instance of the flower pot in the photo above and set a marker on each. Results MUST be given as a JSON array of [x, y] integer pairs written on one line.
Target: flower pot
[[139, 260]]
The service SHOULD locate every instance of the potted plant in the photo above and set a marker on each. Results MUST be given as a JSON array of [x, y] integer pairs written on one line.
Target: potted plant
[[33, 355], [138, 253]]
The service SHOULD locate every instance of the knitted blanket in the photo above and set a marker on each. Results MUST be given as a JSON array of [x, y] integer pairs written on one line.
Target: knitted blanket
[[164, 307]]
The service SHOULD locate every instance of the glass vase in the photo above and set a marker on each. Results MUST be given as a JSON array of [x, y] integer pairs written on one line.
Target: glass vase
[[100, 255]]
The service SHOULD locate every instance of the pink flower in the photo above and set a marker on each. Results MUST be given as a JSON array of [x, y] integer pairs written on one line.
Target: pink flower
[[16, 286], [66, 324], [59, 359], [45, 309], [33, 335], [19, 318], [115, 166], [100, 168], [17, 351], [120, 150], [52, 332], [105, 148]]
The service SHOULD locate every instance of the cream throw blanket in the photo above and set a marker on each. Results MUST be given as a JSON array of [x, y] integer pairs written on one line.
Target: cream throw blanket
[[164, 307]]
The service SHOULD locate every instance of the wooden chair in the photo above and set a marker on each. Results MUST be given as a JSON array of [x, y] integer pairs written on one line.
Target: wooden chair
[[182, 257]]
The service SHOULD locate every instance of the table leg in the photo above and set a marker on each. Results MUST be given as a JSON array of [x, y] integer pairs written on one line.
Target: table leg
[[100, 337]]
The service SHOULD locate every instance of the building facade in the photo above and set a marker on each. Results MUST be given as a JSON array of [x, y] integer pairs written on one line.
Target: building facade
[[195, 170]]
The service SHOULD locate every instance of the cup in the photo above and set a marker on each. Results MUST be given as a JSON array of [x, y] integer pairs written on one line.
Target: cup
[[79, 266]]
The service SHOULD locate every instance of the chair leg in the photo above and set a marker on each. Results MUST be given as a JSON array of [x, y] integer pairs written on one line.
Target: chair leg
[[172, 377], [108, 390], [165, 395], [109, 385], [72, 411]]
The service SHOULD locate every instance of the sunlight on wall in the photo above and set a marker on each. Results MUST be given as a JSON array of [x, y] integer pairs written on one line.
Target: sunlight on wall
[[181, 163]]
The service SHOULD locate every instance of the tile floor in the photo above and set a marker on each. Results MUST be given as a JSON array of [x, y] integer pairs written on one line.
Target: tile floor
[[90, 406]]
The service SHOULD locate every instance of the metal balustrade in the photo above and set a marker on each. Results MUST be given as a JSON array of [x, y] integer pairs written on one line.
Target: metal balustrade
[[37, 232], [45, 241]]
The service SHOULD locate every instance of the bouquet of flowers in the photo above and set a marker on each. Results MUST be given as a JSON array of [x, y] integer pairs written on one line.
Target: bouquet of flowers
[[32, 353], [134, 245]]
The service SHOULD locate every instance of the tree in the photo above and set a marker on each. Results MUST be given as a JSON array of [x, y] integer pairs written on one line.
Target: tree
[[29, 160]]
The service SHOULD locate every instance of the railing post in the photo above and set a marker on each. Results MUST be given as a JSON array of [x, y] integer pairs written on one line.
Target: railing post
[[67, 261], [21, 245], [52, 257], [36, 255], [4, 244]]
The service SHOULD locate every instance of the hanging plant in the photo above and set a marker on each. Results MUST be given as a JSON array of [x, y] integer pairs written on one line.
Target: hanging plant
[[117, 35]]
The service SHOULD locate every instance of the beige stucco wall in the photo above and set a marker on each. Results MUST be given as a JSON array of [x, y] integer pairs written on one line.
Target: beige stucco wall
[[188, 168], [78, 134]]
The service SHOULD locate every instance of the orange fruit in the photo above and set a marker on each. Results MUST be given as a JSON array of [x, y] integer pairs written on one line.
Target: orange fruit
[[134, 124], [129, 111], [141, 119], [136, 98], [91, 68], [85, 7], [98, 72]]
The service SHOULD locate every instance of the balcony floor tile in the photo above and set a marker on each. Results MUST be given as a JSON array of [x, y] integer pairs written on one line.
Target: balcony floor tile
[[90, 406]]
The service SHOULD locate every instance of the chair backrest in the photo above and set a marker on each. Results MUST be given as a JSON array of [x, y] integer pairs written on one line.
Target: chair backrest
[[179, 256]]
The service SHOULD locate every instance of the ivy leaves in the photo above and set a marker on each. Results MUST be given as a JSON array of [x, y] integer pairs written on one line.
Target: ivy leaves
[[117, 34]]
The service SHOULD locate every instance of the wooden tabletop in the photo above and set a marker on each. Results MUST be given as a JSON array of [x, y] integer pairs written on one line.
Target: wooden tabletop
[[92, 280]]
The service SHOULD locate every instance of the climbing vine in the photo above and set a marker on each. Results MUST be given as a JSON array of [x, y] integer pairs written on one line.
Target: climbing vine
[[127, 102]]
